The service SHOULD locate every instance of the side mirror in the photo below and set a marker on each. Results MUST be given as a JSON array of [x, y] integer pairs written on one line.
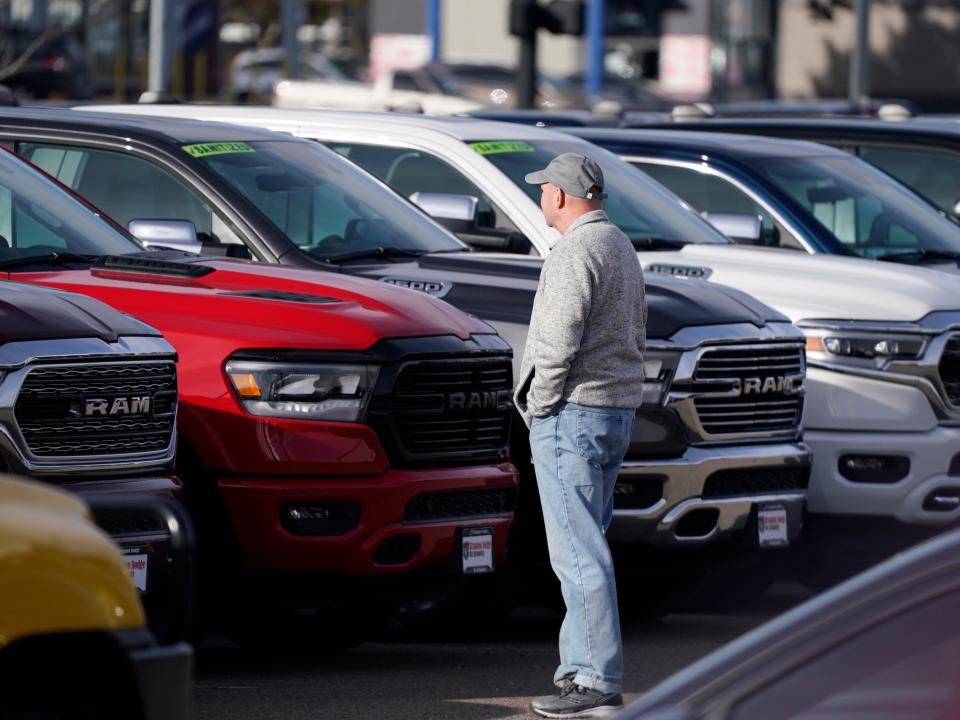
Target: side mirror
[[458, 214], [740, 227], [455, 212], [174, 234], [956, 210]]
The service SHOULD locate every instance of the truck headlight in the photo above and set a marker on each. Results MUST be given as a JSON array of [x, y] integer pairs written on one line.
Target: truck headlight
[[338, 393], [658, 369], [873, 348]]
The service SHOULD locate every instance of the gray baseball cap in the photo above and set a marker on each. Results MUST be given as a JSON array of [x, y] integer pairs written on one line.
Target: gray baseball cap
[[573, 173]]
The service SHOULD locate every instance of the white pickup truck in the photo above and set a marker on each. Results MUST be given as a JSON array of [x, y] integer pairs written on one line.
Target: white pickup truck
[[883, 341], [383, 94]]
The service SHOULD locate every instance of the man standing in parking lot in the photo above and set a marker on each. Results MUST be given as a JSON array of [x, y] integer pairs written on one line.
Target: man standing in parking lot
[[581, 382]]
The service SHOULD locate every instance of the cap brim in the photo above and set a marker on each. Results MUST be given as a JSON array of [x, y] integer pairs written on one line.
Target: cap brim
[[536, 178]]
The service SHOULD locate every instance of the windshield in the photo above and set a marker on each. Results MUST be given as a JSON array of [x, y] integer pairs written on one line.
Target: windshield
[[635, 203], [870, 214], [322, 203], [38, 217]]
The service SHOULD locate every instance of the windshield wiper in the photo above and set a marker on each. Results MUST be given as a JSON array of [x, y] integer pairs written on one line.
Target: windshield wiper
[[658, 243], [378, 252], [54, 258], [916, 254]]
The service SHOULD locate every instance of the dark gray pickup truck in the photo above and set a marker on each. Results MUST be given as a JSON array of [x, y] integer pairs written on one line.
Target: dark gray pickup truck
[[88, 401]]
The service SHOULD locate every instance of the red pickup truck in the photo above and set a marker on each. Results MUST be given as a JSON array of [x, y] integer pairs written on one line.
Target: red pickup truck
[[342, 441]]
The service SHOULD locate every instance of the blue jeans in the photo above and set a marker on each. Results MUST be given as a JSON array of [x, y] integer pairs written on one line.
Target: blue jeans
[[577, 451]]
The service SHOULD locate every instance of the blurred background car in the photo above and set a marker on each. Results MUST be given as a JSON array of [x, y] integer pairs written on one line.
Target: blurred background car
[[821, 107], [53, 65], [253, 73], [381, 95], [880, 646], [493, 84], [631, 93]]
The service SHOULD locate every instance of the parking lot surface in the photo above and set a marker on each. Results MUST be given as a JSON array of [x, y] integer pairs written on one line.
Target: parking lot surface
[[456, 673]]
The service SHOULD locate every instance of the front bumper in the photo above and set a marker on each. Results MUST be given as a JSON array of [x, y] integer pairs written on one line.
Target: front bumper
[[147, 520], [257, 505], [164, 675], [684, 479], [933, 472]]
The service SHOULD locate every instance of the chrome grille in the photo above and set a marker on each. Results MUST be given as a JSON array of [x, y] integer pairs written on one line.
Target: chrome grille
[[950, 369], [754, 401], [749, 362], [50, 409]]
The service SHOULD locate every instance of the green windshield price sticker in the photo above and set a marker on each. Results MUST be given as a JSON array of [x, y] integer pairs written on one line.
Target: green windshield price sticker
[[501, 146], [202, 150]]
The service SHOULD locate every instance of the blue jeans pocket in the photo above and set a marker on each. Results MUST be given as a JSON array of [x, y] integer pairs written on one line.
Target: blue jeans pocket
[[600, 435]]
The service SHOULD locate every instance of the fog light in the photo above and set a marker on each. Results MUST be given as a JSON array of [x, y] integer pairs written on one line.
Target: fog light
[[697, 523], [954, 466], [943, 499], [397, 550], [638, 493], [874, 469], [320, 519]]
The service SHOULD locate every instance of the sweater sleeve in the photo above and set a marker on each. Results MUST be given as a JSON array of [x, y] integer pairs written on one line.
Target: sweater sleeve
[[561, 314]]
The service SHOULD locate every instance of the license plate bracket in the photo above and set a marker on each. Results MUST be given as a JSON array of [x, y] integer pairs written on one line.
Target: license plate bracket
[[476, 545], [772, 525], [137, 559]]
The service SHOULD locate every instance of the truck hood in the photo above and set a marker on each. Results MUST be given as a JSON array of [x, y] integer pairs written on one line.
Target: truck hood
[[502, 288], [32, 313], [814, 287], [260, 306]]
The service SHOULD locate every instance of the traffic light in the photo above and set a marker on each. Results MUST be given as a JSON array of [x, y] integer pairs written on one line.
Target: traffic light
[[560, 17]]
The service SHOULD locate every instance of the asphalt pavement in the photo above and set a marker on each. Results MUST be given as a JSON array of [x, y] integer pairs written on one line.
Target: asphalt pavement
[[455, 675]]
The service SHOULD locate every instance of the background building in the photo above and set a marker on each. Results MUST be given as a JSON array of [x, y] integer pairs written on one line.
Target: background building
[[684, 49]]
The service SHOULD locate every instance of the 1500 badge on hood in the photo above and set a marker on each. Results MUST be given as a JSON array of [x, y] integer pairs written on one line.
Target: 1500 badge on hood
[[687, 271], [437, 288]]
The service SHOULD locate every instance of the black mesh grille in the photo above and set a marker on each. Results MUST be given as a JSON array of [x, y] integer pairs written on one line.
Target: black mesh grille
[[768, 401], [450, 408], [465, 504], [98, 409], [950, 369], [128, 522], [756, 481]]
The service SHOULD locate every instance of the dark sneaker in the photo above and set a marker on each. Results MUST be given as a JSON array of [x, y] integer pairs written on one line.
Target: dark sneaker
[[575, 701]]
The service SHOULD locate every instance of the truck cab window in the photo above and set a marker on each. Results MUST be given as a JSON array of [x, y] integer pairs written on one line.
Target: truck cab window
[[933, 174], [410, 171], [128, 188], [710, 193]]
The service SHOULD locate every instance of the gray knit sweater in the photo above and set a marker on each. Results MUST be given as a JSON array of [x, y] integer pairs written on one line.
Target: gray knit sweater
[[587, 331]]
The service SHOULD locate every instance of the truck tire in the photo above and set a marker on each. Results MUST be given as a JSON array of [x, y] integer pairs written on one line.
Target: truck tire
[[80, 677], [220, 572]]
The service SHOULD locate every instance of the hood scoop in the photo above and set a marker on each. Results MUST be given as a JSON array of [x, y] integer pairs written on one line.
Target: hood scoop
[[480, 264], [148, 266], [283, 295]]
